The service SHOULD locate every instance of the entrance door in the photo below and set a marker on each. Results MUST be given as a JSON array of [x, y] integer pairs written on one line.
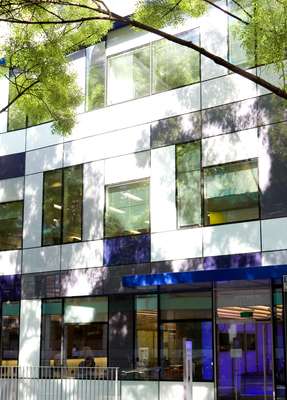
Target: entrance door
[[244, 342]]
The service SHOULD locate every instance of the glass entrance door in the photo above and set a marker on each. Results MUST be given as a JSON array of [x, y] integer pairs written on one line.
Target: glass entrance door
[[244, 341]]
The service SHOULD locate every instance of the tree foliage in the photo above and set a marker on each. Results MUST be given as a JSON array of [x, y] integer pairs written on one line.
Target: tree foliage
[[42, 34]]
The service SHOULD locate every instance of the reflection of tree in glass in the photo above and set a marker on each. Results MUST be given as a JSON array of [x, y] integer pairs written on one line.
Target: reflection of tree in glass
[[96, 86]]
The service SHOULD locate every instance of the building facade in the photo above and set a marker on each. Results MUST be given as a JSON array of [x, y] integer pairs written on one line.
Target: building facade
[[162, 217]]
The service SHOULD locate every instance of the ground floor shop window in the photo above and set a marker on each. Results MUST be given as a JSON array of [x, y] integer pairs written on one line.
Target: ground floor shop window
[[75, 332], [10, 333]]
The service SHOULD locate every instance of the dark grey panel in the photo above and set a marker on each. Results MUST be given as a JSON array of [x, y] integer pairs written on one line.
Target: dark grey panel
[[229, 118], [12, 166], [121, 331], [271, 109], [112, 277], [43, 285], [273, 167], [183, 128]]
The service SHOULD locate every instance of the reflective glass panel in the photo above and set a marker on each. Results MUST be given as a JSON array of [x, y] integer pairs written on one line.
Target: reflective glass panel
[[51, 333], [96, 64], [129, 75], [173, 64], [16, 117], [52, 207], [231, 193], [86, 332], [189, 316], [279, 344], [188, 184], [10, 333], [127, 209], [11, 221], [73, 199], [146, 337]]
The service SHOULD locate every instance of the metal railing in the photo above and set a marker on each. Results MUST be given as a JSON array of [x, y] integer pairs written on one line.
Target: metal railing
[[58, 383]]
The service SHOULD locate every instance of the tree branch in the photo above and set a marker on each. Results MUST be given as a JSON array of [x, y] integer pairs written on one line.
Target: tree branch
[[18, 96], [226, 12]]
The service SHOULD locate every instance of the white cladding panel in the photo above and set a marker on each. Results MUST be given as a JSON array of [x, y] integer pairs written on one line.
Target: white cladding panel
[[93, 201], [127, 168], [230, 147], [162, 190], [185, 243], [32, 224], [12, 142], [41, 259], [237, 238], [44, 159], [82, 255], [11, 189], [10, 262], [274, 234], [30, 334]]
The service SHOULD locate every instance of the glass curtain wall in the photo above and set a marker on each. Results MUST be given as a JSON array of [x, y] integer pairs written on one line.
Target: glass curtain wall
[[231, 193], [188, 162], [127, 209], [62, 205], [10, 333], [244, 341], [11, 225]]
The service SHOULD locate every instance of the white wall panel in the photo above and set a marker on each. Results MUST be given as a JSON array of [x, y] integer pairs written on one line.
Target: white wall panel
[[12, 142], [237, 238], [32, 224], [10, 262], [107, 145], [180, 244], [274, 258], [162, 190], [30, 333], [230, 147], [41, 136], [139, 390], [274, 235], [82, 255], [213, 37], [126, 168], [93, 200], [4, 95], [137, 112], [78, 66], [41, 259], [175, 391], [44, 159], [226, 90], [11, 189], [3, 122]]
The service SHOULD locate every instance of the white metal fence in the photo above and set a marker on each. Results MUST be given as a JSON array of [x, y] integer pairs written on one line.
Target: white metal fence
[[58, 383]]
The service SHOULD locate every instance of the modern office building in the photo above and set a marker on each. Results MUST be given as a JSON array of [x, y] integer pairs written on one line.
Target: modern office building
[[162, 217]]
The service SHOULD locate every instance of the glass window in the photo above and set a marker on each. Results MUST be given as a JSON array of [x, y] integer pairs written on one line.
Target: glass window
[[186, 315], [127, 209], [279, 353], [237, 52], [62, 208], [96, 65], [10, 333], [231, 193], [11, 225], [16, 118], [173, 64], [146, 337], [188, 184], [73, 199], [51, 333], [86, 331], [129, 75]]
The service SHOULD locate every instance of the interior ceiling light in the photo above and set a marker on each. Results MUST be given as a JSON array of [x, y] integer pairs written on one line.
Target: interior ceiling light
[[116, 210], [135, 232], [131, 196], [57, 206]]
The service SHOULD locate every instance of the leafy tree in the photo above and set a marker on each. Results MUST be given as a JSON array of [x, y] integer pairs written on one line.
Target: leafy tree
[[42, 33]]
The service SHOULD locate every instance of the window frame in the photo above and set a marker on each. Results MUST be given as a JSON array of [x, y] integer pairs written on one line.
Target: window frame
[[62, 205], [22, 223], [119, 184]]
